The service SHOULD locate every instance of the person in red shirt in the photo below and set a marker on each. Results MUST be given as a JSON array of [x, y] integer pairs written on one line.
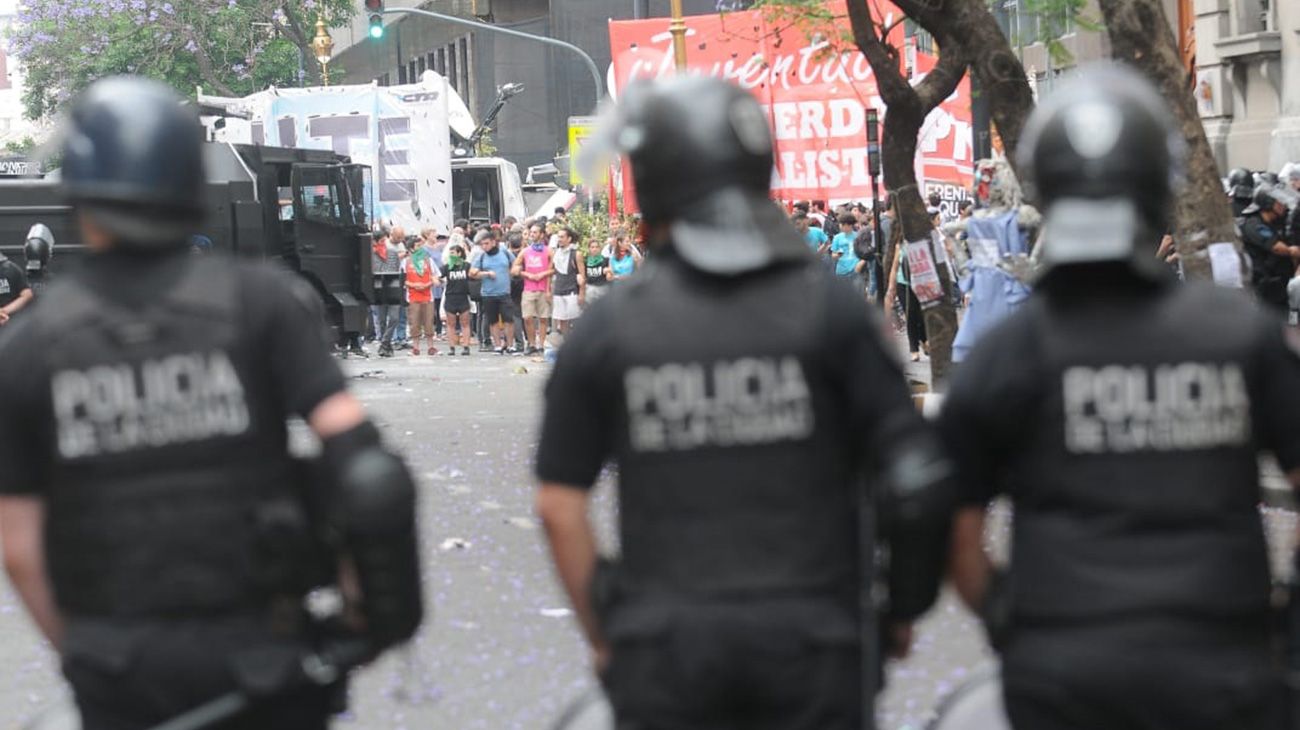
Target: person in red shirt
[[421, 278]]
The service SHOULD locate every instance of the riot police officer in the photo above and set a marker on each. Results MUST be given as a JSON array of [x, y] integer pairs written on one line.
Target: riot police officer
[[1273, 261], [1241, 188], [1123, 414], [152, 521], [38, 252], [15, 290], [741, 434]]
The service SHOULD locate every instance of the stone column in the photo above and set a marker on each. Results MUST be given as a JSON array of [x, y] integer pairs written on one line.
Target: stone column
[[1214, 87], [1286, 138]]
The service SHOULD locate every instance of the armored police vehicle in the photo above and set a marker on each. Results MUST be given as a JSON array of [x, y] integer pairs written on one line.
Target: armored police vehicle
[[308, 210]]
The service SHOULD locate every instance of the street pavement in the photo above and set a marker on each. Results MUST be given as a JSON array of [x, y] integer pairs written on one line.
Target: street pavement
[[500, 650]]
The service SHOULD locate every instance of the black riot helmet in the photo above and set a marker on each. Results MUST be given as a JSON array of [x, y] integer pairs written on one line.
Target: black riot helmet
[[1104, 157], [1266, 178], [701, 154], [1241, 183], [1265, 197], [132, 161], [38, 249]]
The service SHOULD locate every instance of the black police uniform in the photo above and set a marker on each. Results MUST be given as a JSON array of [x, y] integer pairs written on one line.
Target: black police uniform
[[148, 411], [1126, 432], [738, 458], [1293, 225], [13, 281], [1269, 271], [1124, 414], [1241, 188], [146, 402], [742, 434]]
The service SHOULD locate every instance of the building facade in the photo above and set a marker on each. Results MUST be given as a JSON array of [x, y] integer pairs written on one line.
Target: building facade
[[533, 127], [1248, 80], [1243, 57]]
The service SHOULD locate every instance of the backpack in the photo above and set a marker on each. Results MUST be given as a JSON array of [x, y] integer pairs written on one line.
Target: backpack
[[864, 246]]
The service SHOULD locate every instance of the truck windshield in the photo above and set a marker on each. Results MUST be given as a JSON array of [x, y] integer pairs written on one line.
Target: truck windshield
[[320, 196], [359, 193]]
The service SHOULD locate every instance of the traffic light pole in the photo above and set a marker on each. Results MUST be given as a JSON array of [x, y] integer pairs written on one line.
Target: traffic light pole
[[486, 27]]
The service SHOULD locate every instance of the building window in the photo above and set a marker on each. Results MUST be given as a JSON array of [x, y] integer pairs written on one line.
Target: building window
[[1023, 26], [463, 86], [420, 66], [453, 66], [441, 65]]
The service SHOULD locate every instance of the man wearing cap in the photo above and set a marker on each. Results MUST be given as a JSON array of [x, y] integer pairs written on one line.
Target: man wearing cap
[[742, 437], [15, 290]]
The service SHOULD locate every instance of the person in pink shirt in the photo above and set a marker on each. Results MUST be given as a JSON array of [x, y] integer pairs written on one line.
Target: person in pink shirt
[[535, 266]]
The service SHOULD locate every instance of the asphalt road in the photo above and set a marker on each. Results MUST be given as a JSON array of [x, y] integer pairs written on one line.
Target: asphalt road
[[500, 650]]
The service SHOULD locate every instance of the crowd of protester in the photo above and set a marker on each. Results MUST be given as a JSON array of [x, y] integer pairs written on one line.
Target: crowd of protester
[[846, 236], [515, 287], [510, 288]]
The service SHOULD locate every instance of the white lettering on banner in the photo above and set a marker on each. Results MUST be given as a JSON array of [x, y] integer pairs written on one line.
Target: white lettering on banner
[[950, 198], [113, 409], [834, 118], [1170, 407], [744, 402], [822, 168], [807, 65]]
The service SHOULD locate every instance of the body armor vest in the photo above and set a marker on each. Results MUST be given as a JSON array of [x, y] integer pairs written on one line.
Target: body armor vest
[[162, 466], [739, 425], [1137, 485]]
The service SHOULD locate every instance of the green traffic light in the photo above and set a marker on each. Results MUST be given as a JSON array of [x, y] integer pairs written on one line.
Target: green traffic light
[[376, 28]]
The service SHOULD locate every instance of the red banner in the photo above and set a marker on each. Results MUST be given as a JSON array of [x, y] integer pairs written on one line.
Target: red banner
[[816, 99]]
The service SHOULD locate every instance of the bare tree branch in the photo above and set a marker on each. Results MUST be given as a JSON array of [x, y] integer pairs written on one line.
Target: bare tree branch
[[894, 89], [942, 80], [294, 29], [885, 31], [204, 62]]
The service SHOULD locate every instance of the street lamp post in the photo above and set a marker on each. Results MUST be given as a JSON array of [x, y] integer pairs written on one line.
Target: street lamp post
[[323, 46], [677, 28]]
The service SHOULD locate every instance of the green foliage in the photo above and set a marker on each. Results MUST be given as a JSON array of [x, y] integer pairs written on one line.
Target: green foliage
[[25, 146], [1047, 22], [229, 47], [597, 224], [817, 22]]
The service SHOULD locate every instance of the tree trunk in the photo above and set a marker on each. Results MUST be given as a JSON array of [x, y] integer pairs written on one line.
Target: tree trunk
[[907, 108], [971, 25], [206, 72], [298, 35], [999, 70], [1140, 35]]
